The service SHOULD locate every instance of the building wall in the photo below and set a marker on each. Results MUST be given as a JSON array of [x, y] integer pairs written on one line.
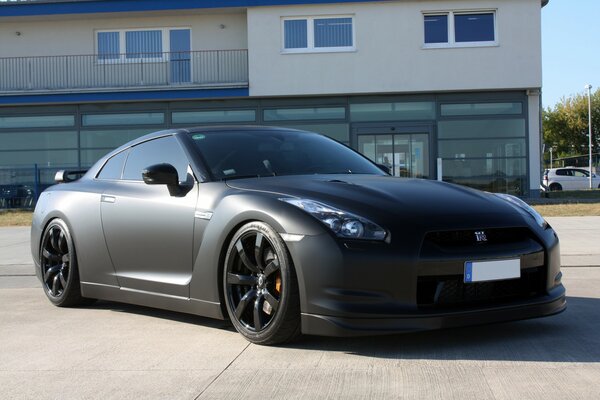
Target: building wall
[[389, 54], [76, 35]]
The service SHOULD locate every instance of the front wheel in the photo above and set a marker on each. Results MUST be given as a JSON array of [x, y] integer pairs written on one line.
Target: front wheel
[[260, 286]]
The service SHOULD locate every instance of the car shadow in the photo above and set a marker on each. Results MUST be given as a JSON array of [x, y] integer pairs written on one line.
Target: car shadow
[[571, 336], [163, 314]]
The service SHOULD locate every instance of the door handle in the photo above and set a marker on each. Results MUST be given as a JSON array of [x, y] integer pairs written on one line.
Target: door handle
[[108, 199]]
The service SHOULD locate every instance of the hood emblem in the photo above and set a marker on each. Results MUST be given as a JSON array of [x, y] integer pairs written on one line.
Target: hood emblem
[[480, 236]]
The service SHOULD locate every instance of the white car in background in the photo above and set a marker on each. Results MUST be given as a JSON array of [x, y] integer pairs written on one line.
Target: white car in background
[[568, 178]]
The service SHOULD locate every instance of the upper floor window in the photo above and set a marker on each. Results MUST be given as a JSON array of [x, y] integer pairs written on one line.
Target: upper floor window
[[138, 44], [460, 29], [314, 34]]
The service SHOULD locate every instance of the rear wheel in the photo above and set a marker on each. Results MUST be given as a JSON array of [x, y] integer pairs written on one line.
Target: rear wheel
[[260, 286], [60, 276], [555, 187]]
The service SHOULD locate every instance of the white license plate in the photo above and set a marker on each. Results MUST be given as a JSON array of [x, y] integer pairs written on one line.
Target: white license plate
[[481, 271]]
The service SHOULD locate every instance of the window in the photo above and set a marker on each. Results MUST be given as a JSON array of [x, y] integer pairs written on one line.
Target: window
[[314, 34], [151, 118], [34, 121], [449, 110], [113, 167], [460, 29], [297, 114], [436, 29], [143, 44], [132, 45], [203, 117], [406, 111], [157, 151]]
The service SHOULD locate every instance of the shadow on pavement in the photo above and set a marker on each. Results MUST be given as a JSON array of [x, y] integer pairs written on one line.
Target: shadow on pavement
[[164, 314], [568, 337]]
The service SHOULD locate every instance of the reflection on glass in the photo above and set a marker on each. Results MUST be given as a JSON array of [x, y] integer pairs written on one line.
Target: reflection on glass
[[489, 128], [151, 118], [203, 117], [449, 110], [38, 140], [506, 175], [410, 111], [406, 155]]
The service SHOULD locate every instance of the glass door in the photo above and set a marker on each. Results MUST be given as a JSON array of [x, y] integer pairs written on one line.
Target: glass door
[[405, 154]]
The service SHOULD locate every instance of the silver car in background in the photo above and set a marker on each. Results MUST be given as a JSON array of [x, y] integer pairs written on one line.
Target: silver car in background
[[568, 178]]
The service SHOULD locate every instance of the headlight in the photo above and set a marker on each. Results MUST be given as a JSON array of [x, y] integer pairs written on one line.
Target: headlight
[[342, 223], [520, 204]]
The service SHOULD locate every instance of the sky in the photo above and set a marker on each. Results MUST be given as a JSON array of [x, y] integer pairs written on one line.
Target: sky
[[570, 48]]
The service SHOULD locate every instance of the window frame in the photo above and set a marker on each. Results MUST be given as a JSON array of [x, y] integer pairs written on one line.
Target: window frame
[[452, 43], [310, 33], [122, 59]]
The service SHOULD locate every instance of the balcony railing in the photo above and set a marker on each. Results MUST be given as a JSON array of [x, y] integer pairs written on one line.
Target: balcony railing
[[213, 68]]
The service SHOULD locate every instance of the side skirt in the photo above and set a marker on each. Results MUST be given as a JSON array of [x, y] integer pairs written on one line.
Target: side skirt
[[152, 299]]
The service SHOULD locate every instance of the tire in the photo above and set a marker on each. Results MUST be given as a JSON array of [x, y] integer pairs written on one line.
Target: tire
[[260, 286], [555, 187], [58, 261]]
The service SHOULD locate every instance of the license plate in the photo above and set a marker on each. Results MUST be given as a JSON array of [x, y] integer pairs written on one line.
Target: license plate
[[481, 271]]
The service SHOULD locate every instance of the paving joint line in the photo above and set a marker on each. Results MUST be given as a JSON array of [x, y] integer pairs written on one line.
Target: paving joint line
[[222, 372]]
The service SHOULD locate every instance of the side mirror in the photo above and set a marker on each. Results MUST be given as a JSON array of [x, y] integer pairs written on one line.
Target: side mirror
[[161, 174], [384, 168]]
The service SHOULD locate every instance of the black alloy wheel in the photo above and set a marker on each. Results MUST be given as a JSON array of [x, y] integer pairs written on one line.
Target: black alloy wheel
[[60, 276], [260, 287]]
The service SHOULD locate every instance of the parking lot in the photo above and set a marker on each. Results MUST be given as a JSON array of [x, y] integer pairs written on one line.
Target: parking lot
[[111, 350]]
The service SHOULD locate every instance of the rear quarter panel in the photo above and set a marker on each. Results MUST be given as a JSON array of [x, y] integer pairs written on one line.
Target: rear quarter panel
[[78, 204]]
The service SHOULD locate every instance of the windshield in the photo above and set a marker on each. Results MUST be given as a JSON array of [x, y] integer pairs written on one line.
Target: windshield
[[252, 153]]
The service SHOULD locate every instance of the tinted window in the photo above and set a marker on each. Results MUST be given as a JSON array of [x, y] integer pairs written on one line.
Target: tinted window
[[113, 167], [157, 151], [333, 32], [436, 29], [267, 153], [580, 173], [295, 34], [474, 27], [562, 172]]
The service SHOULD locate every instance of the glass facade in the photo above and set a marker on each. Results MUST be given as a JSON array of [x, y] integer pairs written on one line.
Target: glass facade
[[482, 144]]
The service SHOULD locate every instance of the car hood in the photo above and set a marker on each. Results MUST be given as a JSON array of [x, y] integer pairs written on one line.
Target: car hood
[[388, 200]]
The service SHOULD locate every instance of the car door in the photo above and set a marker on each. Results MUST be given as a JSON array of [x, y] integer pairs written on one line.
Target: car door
[[148, 231], [581, 179]]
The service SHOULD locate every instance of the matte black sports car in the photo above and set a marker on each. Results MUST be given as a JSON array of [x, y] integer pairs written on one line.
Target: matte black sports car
[[287, 232]]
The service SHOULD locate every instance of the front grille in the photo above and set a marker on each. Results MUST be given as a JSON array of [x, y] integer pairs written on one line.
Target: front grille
[[451, 291], [469, 236]]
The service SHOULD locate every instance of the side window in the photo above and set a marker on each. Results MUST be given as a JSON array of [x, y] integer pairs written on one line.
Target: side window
[[562, 172], [581, 174], [113, 167], [157, 151]]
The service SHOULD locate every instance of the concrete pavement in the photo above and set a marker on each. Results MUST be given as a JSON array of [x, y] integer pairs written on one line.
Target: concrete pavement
[[111, 350]]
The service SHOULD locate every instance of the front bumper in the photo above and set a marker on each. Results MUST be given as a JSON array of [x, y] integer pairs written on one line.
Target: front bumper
[[323, 325], [349, 289]]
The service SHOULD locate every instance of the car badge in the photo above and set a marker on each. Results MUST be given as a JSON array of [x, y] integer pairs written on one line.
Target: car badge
[[480, 236]]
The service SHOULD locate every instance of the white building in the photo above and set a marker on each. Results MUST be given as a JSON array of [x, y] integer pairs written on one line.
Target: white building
[[403, 81]]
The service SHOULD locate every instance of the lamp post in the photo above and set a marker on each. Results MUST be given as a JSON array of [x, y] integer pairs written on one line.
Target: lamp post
[[588, 87], [550, 157]]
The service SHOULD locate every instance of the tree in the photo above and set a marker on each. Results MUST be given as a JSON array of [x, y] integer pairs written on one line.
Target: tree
[[566, 125]]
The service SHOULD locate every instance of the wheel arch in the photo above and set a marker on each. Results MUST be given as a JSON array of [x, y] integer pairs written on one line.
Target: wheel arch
[[228, 218]]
